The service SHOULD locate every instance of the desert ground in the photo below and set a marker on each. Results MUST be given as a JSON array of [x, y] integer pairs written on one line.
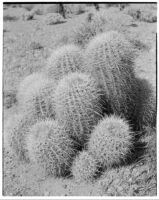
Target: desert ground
[[28, 40]]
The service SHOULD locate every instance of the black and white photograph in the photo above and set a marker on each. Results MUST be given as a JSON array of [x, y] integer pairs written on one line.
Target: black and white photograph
[[79, 99]]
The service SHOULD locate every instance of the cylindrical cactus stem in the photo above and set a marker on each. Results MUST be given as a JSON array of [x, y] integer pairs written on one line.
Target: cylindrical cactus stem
[[26, 83], [111, 141], [84, 167], [50, 147], [78, 104], [109, 58], [17, 136], [64, 60], [37, 98]]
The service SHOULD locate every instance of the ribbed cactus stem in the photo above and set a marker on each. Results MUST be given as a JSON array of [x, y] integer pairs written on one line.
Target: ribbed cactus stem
[[17, 136], [64, 60], [111, 141], [78, 104], [37, 98], [109, 58], [50, 147]]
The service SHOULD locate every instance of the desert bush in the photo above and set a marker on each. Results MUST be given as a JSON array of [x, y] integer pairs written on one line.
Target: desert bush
[[35, 96], [142, 12], [111, 141], [28, 16], [145, 112], [64, 60], [109, 59], [17, 136], [88, 30], [99, 22], [9, 98], [84, 167], [9, 18], [36, 46], [50, 147], [53, 18], [78, 105]]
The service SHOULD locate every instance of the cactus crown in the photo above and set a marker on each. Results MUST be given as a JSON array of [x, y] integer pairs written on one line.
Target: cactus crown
[[64, 60], [111, 141]]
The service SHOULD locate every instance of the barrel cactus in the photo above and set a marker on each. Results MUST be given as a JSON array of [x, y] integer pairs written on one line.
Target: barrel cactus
[[50, 147], [36, 98], [84, 167], [111, 141], [78, 104], [18, 134], [109, 58], [64, 60], [25, 83]]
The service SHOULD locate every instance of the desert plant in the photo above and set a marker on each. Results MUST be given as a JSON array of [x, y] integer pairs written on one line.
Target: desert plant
[[53, 18], [133, 180], [35, 96], [145, 113], [109, 59], [111, 141], [9, 18], [17, 136], [142, 12], [99, 22], [84, 167], [64, 60], [88, 29], [78, 104], [50, 147]]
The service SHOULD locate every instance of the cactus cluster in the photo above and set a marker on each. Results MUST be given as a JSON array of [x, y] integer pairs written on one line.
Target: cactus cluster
[[77, 104], [88, 103], [49, 146]]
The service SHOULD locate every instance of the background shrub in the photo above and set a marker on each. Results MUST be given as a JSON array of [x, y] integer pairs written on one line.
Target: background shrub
[[53, 18]]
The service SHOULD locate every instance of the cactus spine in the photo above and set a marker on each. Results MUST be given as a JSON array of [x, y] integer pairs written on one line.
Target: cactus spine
[[50, 147], [64, 60], [77, 104], [111, 141], [109, 58]]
